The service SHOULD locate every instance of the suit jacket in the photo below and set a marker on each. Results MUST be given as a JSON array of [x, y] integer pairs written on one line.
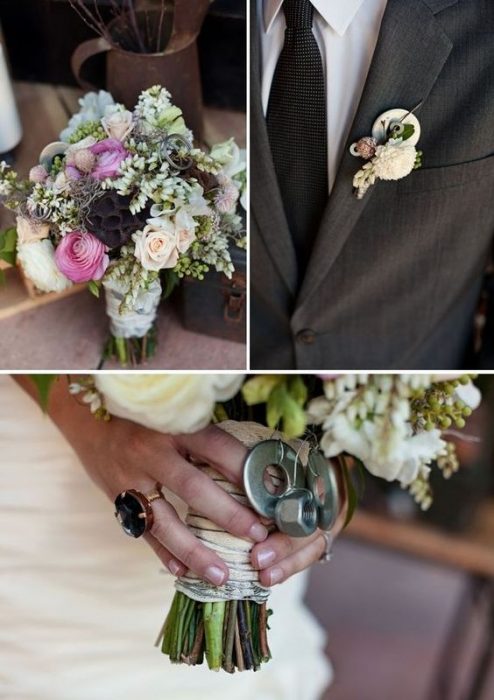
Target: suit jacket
[[394, 279]]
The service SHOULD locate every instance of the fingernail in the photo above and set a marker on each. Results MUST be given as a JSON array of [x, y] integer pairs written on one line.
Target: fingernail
[[215, 575], [275, 576], [175, 567], [265, 557], [258, 532]]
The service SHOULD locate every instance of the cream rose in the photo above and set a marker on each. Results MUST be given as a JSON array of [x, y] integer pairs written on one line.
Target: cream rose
[[169, 403], [38, 262], [118, 125], [29, 230], [156, 246]]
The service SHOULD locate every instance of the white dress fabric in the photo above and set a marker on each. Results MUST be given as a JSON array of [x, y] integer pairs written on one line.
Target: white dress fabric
[[81, 604]]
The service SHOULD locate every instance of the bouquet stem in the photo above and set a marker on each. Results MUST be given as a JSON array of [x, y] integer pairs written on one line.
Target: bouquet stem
[[130, 351], [231, 635]]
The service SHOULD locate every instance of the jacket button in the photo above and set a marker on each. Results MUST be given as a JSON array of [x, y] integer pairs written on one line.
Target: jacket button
[[306, 337]]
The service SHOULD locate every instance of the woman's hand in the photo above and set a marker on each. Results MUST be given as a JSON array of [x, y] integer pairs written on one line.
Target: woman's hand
[[120, 455]]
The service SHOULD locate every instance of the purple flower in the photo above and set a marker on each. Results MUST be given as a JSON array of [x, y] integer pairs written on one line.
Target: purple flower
[[81, 257], [72, 172], [109, 154]]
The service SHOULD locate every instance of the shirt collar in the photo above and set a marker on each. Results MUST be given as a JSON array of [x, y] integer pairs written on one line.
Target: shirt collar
[[337, 14]]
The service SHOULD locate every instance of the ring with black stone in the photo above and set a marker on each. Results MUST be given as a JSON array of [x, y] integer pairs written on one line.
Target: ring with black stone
[[134, 511]]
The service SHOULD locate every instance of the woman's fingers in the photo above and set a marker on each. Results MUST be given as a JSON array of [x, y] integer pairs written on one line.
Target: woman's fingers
[[217, 447], [280, 556], [205, 497], [174, 536], [173, 565]]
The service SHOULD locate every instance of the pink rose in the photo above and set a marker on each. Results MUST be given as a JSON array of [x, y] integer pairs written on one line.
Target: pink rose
[[109, 154], [81, 257]]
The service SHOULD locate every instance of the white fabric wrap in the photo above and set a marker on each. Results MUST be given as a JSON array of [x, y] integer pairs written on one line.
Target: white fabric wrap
[[243, 583], [137, 322]]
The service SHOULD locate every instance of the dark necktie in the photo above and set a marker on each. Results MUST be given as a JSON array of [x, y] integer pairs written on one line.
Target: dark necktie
[[296, 121]]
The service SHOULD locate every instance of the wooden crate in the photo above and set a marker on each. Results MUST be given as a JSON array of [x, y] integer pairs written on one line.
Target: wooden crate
[[15, 297]]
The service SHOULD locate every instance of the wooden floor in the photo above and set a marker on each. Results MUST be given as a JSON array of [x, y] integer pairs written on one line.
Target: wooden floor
[[67, 331]]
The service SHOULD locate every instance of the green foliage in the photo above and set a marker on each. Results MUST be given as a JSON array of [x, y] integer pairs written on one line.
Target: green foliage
[[285, 397], [8, 243], [170, 280], [95, 288], [90, 128], [8, 249], [43, 383], [434, 408], [355, 485], [408, 131]]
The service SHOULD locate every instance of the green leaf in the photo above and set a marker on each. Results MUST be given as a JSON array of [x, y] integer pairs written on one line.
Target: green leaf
[[275, 405], [8, 246], [282, 407], [298, 389], [408, 131], [2, 278], [170, 281], [294, 421], [94, 288], [258, 389], [44, 383]]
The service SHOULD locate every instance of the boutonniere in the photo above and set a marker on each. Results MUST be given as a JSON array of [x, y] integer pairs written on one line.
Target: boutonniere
[[390, 151]]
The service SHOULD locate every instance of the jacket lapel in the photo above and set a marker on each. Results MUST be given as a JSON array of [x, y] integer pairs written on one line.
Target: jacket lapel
[[266, 203], [411, 52]]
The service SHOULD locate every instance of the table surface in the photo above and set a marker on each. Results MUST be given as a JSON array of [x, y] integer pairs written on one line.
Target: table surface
[[68, 333], [471, 551]]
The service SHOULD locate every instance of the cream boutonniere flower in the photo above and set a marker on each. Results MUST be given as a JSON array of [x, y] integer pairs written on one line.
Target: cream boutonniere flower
[[390, 152]]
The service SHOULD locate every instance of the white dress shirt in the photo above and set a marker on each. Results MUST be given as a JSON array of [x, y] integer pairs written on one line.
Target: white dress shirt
[[346, 32]]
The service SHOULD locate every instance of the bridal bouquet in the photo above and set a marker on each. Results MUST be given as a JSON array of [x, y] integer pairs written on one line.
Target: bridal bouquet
[[396, 425], [124, 201]]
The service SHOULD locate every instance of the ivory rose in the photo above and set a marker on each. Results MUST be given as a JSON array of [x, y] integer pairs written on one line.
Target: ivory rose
[[38, 262], [82, 257], [169, 403], [156, 246], [118, 124]]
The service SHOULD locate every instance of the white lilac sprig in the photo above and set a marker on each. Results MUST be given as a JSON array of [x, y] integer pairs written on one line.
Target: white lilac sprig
[[395, 424]]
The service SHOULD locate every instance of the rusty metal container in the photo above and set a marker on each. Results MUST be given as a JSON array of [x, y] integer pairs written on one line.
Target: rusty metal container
[[129, 72]]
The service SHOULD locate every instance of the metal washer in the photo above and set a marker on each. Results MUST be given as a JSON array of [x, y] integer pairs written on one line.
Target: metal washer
[[380, 126], [266, 453]]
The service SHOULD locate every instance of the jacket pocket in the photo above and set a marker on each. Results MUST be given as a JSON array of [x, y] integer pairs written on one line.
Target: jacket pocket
[[449, 176]]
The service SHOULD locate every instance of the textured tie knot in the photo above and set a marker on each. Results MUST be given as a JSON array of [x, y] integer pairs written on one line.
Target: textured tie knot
[[298, 13]]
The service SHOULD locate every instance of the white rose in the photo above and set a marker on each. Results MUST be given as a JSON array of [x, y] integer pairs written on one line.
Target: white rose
[[38, 262], [30, 230], [118, 125], [394, 161], [156, 246], [169, 403]]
